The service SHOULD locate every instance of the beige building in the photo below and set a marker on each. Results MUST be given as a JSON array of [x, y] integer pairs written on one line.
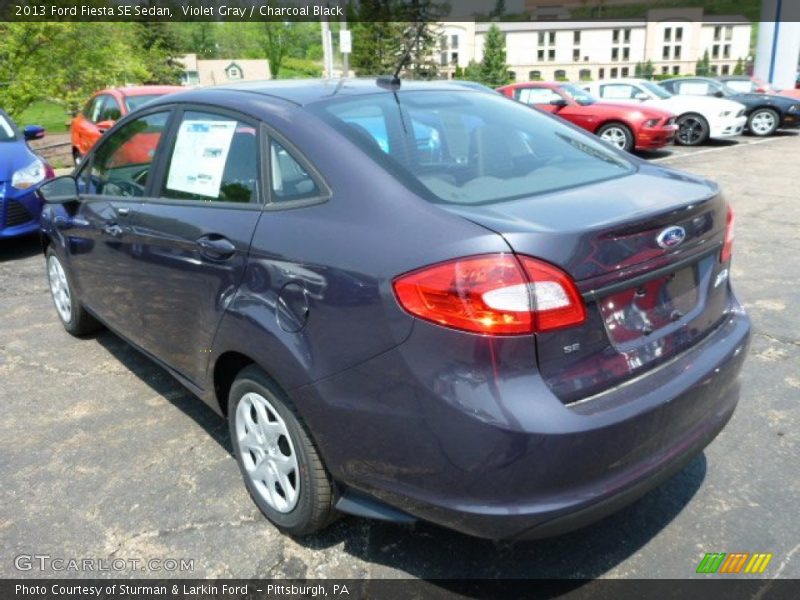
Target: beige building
[[673, 39], [213, 72]]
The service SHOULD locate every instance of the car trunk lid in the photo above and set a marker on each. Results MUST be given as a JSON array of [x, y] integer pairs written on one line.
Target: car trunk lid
[[644, 253]]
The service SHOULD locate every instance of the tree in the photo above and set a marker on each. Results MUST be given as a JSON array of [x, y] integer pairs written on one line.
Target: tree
[[638, 70], [703, 66], [198, 37], [739, 68], [648, 70], [276, 40], [160, 46], [494, 70]]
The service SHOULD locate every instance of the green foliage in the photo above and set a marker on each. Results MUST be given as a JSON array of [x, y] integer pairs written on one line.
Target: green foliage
[[703, 66], [300, 68], [48, 114], [198, 37], [739, 69], [160, 45]]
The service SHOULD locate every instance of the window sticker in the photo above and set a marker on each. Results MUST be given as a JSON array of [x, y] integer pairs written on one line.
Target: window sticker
[[198, 160]]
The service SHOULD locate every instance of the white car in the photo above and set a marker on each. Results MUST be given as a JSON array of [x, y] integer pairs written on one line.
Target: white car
[[699, 117]]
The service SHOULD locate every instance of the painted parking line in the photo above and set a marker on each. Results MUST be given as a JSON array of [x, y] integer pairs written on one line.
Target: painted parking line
[[710, 150]]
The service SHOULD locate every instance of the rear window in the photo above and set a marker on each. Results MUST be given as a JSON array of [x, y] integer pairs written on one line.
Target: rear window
[[134, 102], [464, 147], [7, 133]]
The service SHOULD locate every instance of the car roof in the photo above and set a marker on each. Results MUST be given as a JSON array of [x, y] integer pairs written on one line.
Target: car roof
[[140, 90], [308, 91]]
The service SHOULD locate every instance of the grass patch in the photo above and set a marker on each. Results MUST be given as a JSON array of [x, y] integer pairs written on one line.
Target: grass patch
[[48, 114]]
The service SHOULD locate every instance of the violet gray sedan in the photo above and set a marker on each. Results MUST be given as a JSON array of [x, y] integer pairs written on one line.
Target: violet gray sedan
[[421, 301]]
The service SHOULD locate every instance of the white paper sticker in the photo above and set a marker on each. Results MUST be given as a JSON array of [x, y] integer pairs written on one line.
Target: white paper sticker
[[198, 160]]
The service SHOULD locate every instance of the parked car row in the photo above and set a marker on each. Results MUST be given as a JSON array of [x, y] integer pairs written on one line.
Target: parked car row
[[640, 114]]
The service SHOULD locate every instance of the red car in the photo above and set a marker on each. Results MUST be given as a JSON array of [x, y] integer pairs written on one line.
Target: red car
[[623, 125], [105, 108]]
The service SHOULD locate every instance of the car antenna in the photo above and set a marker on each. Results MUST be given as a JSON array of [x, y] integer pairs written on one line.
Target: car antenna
[[393, 83]]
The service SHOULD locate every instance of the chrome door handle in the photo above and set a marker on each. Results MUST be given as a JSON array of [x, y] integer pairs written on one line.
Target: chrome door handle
[[113, 230]]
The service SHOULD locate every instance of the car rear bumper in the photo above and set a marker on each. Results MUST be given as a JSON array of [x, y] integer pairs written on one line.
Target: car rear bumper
[[470, 440], [727, 127]]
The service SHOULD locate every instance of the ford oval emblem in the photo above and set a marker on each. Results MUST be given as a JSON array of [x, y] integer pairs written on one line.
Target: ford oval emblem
[[671, 236]]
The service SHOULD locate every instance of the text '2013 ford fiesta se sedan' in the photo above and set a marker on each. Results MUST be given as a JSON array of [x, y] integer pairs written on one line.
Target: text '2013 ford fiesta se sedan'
[[416, 301]]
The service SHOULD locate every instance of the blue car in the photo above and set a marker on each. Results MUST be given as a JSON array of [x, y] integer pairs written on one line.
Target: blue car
[[419, 303], [21, 172]]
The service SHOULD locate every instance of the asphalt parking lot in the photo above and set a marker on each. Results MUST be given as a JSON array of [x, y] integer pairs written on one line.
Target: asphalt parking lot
[[103, 455]]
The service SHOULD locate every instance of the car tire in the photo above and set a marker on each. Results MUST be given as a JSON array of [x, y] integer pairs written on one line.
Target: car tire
[[281, 455], [763, 122], [74, 317], [693, 130], [618, 135]]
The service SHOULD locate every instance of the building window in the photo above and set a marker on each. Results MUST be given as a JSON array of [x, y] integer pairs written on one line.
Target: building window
[[454, 42], [728, 33], [561, 75], [601, 73], [679, 34], [576, 55], [614, 72], [715, 51], [541, 38], [677, 52], [535, 75], [625, 71], [576, 37], [726, 51], [627, 36], [443, 59], [615, 54], [512, 75], [552, 36], [676, 70], [717, 33], [626, 53], [443, 42], [615, 36], [714, 69], [540, 55], [665, 70], [668, 34], [585, 75], [551, 54], [665, 53], [726, 69], [234, 73]]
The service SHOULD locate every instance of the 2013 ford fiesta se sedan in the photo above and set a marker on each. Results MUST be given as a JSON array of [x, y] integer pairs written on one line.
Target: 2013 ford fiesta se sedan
[[411, 301]]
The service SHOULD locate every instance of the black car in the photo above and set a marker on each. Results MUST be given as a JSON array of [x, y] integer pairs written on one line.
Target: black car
[[765, 112]]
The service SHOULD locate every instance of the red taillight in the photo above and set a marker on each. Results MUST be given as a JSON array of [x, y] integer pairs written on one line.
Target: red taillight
[[496, 294], [727, 247]]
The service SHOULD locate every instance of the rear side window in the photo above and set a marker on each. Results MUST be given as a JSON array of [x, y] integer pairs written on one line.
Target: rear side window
[[290, 181], [121, 165], [214, 158], [465, 147]]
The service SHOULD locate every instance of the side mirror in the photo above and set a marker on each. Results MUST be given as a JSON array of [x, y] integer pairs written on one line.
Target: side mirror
[[104, 126], [33, 132], [559, 102], [641, 96], [719, 94], [59, 190]]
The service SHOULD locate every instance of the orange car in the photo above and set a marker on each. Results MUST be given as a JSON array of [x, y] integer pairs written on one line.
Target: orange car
[[105, 108]]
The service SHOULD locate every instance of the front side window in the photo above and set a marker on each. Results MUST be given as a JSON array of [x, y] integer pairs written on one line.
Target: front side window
[[618, 91], [465, 148], [536, 95], [121, 165], [108, 110], [580, 96], [214, 158]]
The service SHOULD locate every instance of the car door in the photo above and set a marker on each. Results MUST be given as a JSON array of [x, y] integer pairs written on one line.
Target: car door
[[100, 240], [193, 235]]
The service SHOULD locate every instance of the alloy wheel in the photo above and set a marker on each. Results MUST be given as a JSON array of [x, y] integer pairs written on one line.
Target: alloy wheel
[[59, 288], [267, 452], [692, 130], [762, 123], [615, 136]]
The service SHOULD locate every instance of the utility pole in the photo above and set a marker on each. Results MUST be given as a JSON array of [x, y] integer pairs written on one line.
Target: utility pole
[[345, 44], [327, 47]]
